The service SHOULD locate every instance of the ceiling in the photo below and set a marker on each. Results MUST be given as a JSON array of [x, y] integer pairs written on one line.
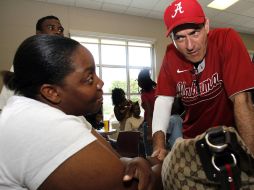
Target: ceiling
[[239, 16]]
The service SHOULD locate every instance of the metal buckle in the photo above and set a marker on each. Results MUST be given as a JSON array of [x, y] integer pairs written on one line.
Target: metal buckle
[[217, 168], [213, 147]]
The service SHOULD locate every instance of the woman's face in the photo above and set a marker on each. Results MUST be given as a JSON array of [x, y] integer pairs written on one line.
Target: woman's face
[[81, 92], [136, 110]]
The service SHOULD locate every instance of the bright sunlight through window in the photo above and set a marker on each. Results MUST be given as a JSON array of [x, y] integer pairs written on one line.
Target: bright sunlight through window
[[118, 63]]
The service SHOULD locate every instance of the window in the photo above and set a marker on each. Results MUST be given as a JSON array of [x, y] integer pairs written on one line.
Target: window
[[251, 53], [118, 60]]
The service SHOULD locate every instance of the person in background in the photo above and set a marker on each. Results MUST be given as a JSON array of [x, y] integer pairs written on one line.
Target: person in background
[[148, 87], [45, 25], [134, 122], [53, 147], [212, 73], [49, 25], [122, 106]]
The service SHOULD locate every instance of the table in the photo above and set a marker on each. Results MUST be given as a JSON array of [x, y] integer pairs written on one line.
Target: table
[[110, 132]]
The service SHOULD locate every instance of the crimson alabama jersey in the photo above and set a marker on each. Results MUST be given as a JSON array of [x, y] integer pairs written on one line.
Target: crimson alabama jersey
[[205, 91]]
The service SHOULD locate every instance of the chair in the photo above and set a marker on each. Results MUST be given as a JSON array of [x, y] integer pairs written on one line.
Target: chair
[[128, 143]]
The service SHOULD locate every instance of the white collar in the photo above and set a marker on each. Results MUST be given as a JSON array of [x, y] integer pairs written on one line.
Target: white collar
[[200, 68]]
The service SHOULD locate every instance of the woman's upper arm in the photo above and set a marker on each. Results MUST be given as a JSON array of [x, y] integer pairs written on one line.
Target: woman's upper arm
[[93, 167]]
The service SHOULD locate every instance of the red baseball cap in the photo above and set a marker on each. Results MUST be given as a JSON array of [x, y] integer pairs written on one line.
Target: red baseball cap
[[181, 12]]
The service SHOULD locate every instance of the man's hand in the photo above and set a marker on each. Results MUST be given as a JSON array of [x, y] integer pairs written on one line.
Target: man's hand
[[160, 153], [159, 150]]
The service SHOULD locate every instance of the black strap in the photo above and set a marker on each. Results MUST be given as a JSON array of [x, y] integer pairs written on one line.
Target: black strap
[[223, 158], [229, 177]]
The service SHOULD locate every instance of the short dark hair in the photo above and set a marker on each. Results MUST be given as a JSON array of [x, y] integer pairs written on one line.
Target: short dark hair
[[40, 59], [186, 26], [41, 20]]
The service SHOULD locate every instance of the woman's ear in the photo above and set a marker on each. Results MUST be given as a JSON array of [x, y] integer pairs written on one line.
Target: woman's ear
[[50, 93]]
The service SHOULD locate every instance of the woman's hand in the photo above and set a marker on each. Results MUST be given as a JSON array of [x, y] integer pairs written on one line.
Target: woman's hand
[[125, 106], [140, 169]]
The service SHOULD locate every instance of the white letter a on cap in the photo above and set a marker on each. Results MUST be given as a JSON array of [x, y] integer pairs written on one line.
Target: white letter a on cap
[[178, 9]]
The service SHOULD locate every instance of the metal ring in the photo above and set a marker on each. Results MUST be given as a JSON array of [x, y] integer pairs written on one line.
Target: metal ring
[[216, 167], [216, 148]]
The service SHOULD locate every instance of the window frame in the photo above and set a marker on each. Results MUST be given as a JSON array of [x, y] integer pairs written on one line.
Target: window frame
[[127, 66]]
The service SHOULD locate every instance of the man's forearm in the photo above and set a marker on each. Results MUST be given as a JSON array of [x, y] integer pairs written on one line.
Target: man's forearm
[[158, 140], [161, 115], [244, 117]]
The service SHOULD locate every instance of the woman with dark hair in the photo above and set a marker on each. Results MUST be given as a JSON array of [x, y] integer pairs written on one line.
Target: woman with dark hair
[[134, 122], [44, 145], [148, 87], [122, 106]]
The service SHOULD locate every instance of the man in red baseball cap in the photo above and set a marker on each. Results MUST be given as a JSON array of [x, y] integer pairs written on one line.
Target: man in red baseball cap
[[181, 12], [210, 71]]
